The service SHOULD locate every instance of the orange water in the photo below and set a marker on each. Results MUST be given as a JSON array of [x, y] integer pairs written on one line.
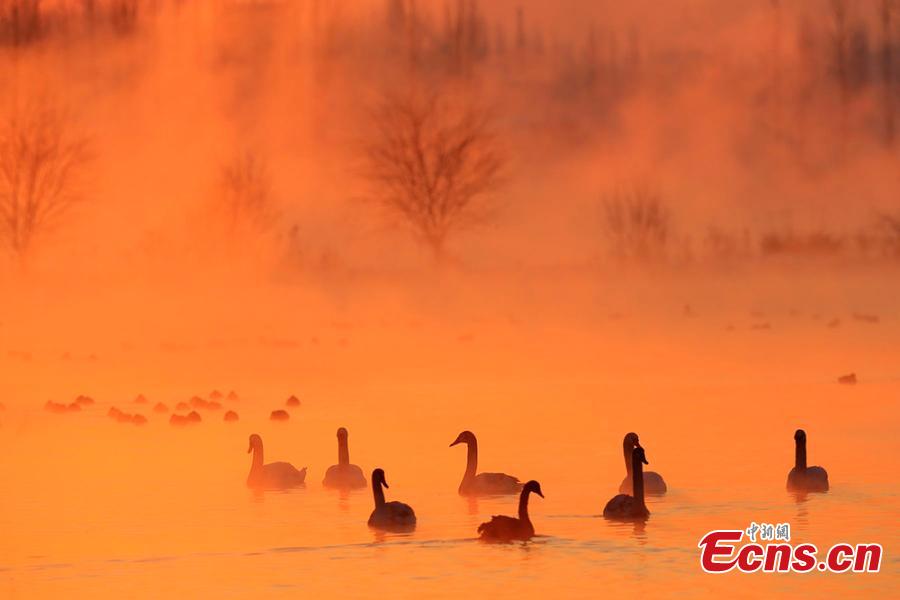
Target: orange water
[[92, 508]]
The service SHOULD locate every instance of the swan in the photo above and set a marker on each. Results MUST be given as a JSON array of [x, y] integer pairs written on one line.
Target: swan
[[482, 483], [654, 484], [628, 508], [273, 476], [803, 478], [344, 475], [507, 529], [390, 516]]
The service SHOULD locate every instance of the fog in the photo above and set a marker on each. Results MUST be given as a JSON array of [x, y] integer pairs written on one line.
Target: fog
[[546, 222], [762, 133]]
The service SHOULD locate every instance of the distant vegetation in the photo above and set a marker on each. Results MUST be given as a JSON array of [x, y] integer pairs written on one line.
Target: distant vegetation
[[244, 198], [822, 88], [41, 159], [636, 223], [433, 162]]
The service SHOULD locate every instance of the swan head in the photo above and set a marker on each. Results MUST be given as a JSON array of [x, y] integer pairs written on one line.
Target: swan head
[[533, 486], [800, 435], [631, 440], [378, 478], [466, 437], [255, 442], [342, 433], [638, 453]]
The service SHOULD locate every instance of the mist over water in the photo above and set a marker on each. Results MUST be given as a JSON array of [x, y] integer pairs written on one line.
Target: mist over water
[[692, 233]]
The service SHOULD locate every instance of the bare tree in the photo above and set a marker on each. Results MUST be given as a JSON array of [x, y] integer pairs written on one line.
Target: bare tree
[[245, 199], [123, 15], [434, 163], [887, 69], [890, 228], [636, 222], [840, 39], [39, 162], [465, 38], [20, 22]]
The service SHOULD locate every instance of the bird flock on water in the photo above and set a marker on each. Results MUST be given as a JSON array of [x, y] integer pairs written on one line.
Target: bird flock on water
[[628, 505]]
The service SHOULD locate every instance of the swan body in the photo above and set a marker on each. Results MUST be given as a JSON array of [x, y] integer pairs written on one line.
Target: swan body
[[507, 529], [629, 508], [272, 476], [482, 484], [654, 484], [390, 516], [802, 478], [344, 475]]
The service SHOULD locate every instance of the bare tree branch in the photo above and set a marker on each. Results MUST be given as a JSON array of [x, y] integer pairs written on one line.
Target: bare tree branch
[[39, 161], [432, 164], [245, 198], [636, 222]]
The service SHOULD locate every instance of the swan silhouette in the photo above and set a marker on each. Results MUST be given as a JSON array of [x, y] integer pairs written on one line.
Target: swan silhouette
[[344, 475], [390, 516], [629, 508], [654, 484], [273, 476], [506, 529], [803, 478], [482, 484]]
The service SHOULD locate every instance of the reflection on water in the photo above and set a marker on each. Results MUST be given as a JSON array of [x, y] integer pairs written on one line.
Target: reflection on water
[[472, 504], [801, 520], [343, 500], [92, 509], [221, 537]]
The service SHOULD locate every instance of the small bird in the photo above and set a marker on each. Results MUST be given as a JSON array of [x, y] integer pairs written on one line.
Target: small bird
[[654, 484], [482, 484], [630, 508], [279, 415], [344, 475], [506, 529], [802, 478], [272, 476], [848, 379], [390, 516]]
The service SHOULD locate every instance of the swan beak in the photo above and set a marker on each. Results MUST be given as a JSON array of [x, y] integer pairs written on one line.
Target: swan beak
[[249, 448], [644, 460], [384, 483], [539, 494], [455, 443]]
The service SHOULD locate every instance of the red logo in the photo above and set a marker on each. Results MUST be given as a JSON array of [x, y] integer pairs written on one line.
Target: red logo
[[722, 551]]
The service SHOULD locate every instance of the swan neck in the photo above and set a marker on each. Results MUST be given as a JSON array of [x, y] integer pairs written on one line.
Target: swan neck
[[257, 457], [471, 460], [523, 505], [638, 475], [800, 455], [378, 493], [343, 452], [626, 450]]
